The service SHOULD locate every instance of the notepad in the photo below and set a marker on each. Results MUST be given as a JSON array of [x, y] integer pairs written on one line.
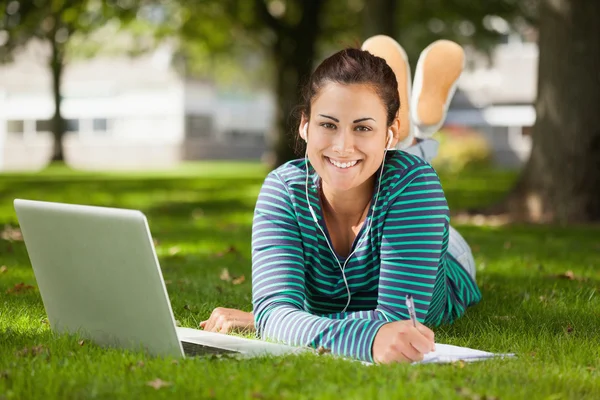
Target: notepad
[[447, 353]]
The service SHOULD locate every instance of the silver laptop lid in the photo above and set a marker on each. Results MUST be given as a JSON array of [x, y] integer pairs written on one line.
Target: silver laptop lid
[[98, 275]]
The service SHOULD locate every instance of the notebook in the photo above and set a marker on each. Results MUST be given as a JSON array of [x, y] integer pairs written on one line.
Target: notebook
[[447, 353]]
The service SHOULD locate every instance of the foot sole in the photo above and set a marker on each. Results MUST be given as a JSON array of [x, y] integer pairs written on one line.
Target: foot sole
[[438, 69], [395, 56]]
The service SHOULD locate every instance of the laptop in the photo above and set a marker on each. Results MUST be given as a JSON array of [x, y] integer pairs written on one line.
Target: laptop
[[99, 277]]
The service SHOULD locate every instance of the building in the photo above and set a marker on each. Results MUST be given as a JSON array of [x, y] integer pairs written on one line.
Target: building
[[496, 97], [139, 112], [125, 112]]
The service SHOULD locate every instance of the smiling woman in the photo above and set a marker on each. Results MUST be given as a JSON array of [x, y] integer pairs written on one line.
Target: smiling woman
[[341, 237]]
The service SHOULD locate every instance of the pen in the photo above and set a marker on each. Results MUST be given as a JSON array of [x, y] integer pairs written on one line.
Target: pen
[[410, 305]]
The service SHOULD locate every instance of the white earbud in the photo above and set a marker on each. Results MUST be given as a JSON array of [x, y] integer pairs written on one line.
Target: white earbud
[[390, 138], [304, 133]]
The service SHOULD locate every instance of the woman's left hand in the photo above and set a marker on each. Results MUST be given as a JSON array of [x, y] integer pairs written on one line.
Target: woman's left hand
[[225, 320]]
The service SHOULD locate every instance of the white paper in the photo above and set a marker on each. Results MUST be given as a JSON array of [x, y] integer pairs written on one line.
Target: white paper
[[446, 353]]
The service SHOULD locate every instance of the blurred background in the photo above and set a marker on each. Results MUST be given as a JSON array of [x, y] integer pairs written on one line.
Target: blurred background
[[151, 84]]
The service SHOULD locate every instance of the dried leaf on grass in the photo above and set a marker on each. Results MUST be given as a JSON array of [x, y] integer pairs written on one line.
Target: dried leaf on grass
[[230, 250], [158, 383], [3, 269], [11, 233], [81, 342], [19, 288], [32, 351], [570, 275], [133, 366], [226, 276]]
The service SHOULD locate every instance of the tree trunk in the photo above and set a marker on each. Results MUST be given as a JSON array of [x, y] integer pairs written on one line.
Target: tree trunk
[[379, 18], [58, 123], [294, 52], [561, 180]]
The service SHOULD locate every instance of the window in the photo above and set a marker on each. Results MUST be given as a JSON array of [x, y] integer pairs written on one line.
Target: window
[[198, 126], [43, 125], [15, 126], [246, 137], [100, 124], [71, 125]]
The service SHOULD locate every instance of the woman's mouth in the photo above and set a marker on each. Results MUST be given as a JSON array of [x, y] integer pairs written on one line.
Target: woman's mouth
[[343, 165]]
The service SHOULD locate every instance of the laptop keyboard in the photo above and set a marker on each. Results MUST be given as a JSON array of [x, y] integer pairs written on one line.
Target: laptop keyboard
[[195, 349]]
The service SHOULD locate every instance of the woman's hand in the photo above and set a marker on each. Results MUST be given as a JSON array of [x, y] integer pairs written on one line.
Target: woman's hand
[[400, 341], [225, 320]]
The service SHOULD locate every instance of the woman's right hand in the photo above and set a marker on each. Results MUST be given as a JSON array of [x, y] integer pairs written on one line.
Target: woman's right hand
[[400, 341]]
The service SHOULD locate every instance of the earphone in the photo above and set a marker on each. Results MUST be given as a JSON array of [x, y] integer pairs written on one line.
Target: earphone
[[304, 135]]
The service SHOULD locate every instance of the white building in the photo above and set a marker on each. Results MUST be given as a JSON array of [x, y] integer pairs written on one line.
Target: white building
[[139, 113], [498, 99], [125, 113]]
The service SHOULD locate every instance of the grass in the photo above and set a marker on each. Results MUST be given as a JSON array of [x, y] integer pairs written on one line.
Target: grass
[[200, 216]]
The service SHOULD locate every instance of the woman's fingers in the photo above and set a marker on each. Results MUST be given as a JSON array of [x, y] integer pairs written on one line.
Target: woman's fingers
[[225, 320], [419, 341], [425, 331], [212, 321], [409, 352], [209, 324]]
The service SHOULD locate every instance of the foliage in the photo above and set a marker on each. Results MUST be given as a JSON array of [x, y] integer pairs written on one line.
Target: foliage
[[57, 21], [461, 149]]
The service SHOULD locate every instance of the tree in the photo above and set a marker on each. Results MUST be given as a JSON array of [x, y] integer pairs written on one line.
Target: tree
[[288, 32], [56, 22], [561, 180], [379, 18], [293, 52], [297, 33], [302, 27]]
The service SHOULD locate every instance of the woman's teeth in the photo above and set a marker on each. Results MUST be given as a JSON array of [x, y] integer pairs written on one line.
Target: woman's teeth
[[343, 165]]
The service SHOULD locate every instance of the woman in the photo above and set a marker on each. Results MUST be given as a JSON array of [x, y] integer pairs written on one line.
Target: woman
[[341, 237]]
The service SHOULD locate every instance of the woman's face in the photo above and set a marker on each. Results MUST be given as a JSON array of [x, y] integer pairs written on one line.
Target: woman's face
[[347, 135]]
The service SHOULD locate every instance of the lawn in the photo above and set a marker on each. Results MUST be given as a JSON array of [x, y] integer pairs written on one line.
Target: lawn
[[540, 290]]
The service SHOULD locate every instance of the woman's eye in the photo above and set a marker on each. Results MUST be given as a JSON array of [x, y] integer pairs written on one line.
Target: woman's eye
[[327, 125], [363, 128]]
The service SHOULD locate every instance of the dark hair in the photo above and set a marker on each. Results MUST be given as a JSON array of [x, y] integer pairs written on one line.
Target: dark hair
[[352, 66]]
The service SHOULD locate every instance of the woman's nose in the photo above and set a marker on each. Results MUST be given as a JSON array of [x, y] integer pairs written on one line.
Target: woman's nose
[[343, 142]]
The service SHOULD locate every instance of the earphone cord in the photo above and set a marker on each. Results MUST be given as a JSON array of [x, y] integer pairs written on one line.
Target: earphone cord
[[365, 234]]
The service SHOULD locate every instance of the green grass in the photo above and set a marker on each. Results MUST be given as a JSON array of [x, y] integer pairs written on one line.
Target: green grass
[[201, 216]]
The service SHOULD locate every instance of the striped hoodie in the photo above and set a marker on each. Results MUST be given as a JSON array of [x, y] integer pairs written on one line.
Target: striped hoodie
[[298, 291]]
